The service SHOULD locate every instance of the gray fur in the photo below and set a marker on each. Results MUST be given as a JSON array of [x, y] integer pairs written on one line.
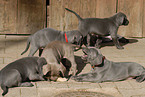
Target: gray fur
[[109, 71], [42, 37], [20, 71], [53, 53], [102, 27]]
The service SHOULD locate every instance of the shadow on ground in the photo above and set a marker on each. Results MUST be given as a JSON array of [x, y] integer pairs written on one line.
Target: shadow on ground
[[80, 65], [110, 43]]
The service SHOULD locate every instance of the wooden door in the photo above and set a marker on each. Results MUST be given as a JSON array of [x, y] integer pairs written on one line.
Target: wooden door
[[22, 16]]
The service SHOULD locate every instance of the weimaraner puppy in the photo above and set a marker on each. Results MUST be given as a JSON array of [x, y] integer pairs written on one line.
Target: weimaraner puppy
[[54, 52], [44, 36], [102, 26], [20, 71], [105, 70]]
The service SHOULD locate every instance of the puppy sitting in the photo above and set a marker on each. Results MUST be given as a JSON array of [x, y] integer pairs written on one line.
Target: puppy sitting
[[20, 71], [105, 70]]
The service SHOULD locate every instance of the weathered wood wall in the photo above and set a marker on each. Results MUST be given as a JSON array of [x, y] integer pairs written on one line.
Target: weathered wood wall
[[134, 11], [63, 20], [28, 16], [8, 16], [22, 16]]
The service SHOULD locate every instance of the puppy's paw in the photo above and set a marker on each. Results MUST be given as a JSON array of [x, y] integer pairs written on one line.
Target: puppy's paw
[[140, 79], [120, 47], [73, 77], [72, 72], [77, 78], [26, 84]]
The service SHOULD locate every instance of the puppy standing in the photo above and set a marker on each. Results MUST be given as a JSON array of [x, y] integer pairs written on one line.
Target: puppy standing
[[105, 70], [44, 36], [20, 71], [102, 27], [54, 52]]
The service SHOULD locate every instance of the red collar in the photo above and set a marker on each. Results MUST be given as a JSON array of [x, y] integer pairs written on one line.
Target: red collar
[[99, 65], [66, 37]]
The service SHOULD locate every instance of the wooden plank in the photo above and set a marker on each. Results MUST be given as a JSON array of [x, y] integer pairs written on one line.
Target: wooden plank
[[143, 26], [44, 14], [61, 19], [88, 8], [31, 16], [105, 8], [133, 9], [2, 6], [8, 16], [70, 20], [55, 10], [48, 16]]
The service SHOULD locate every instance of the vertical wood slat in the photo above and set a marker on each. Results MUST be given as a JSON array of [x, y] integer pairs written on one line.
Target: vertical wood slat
[[88, 8], [30, 16], [105, 8], [8, 16], [70, 20], [55, 15], [134, 11], [143, 26], [2, 11]]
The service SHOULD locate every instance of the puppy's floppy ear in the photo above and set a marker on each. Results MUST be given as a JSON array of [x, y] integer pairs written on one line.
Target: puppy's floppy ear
[[120, 18], [41, 61]]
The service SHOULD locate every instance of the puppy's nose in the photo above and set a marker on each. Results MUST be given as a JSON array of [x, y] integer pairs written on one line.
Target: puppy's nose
[[127, 22]]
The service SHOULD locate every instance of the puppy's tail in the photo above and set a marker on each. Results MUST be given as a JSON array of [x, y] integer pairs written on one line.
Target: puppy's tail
[[28, 45], [5, 89], [74, 13]]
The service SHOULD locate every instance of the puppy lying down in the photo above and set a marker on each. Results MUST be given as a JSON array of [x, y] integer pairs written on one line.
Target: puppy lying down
[[105, 70], [21, 72]]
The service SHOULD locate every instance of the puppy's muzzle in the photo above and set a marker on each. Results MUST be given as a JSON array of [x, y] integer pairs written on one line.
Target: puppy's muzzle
[[125, 22]]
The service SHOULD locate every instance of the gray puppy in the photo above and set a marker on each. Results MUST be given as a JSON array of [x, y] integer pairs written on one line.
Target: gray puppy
[[42, 37], [54, 52], [105, 70], [20, 71], [102, 27]]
